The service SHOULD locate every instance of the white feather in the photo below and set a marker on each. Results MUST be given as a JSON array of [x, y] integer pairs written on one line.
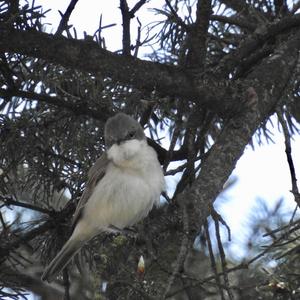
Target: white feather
[[132, 183]]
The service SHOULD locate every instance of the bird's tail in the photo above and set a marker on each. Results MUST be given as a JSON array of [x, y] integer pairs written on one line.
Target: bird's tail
[[61, 259]]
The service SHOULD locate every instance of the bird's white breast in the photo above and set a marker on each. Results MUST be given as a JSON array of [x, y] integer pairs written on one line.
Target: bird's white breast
[[132, 184]]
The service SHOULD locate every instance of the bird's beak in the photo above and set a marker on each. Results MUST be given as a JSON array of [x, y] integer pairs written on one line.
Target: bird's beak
[[120, 141]]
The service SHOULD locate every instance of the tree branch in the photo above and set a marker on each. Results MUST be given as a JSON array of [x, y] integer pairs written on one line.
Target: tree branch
[[80, 109], [9, 201], [126, 17], [65, 18], [148, 76], [32, 283], [213, 264], [145, 75], [178, 20], [254, 41], [234, 21], [198, 35], [183, 252], [137, 6], [239, 6], [288, 151], [76, 108], [229, 147], [29, 235]]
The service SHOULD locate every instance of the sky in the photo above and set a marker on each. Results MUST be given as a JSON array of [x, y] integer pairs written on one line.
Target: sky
[[262, 173], [86, 17]]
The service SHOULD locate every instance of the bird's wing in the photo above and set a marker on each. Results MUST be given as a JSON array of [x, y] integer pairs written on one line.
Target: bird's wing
[[96, 173]]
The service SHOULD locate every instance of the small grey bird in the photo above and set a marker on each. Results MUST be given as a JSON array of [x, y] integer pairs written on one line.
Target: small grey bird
[[122, 187]]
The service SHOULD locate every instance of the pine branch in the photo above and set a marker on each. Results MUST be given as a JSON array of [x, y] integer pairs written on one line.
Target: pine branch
[[7, 201], [288, 151], [63, 25]]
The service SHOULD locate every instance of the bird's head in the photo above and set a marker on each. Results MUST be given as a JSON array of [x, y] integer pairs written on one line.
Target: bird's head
[[124, 137]]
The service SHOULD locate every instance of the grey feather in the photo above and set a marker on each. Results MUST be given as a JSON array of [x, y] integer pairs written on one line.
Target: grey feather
[[61, 260], [96, 173]]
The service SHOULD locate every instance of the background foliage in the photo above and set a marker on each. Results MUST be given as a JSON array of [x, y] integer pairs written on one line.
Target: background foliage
[[218, 71]]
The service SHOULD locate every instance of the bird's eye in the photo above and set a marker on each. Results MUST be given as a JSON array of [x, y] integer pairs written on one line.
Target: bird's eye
[[131, 134]]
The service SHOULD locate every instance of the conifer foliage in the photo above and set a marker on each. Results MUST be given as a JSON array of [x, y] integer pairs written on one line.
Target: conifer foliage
[[218, 70]]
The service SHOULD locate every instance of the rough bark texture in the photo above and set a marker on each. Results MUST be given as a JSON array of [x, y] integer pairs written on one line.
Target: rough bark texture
[[90, 57], [238, 132]]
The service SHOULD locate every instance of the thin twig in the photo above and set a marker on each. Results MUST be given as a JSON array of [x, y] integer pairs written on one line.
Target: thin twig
[[145, 117], [177, 19], [223, 260], [9, 201], [63, 24], [138, 39], [141, 291], [217, 217], [296, 6], [288, 151], [294, 249], [59, 157], [294, 213], [76, 108], [174, 138], [2, 221], [288, 226], [41, 229], [234, 21], [243, 265], [66, 284], [213, 261]]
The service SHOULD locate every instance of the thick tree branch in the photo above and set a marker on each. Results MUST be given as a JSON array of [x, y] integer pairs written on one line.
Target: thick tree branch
[[231, 143], [204, 10], [182, 255], [148, 76], [198, 35], [254, 41], [145, 75]]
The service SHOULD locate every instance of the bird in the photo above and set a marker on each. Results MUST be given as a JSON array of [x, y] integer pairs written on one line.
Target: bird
[[122, 187]]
